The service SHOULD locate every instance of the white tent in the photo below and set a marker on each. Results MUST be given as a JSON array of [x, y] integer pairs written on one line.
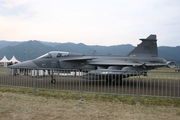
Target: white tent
[[5, 61], [13, 59]]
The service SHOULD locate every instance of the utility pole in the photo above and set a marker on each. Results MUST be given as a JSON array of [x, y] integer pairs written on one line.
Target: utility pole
[[26, 52]]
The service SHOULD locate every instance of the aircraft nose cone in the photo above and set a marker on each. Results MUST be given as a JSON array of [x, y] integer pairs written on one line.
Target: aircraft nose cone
[[25, 64]]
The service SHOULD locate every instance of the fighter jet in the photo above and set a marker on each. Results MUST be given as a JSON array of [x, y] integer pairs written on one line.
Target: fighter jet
[[144, 57]]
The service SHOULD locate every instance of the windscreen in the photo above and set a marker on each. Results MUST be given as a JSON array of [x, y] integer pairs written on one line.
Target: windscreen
[[47, 55], [56, 54]]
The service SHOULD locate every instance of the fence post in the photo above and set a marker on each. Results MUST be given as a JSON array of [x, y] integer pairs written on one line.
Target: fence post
[[80, 85], [138, 89], [34, 83]]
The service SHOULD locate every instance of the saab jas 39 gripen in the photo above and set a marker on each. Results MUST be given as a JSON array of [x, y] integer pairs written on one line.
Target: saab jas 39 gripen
[[144, 57]]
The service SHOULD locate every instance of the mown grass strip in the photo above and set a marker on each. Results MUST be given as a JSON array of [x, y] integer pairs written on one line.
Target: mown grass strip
[[4, 69], [148, 101]]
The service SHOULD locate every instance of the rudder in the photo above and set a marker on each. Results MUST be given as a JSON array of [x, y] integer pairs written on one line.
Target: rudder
[[148, 47]]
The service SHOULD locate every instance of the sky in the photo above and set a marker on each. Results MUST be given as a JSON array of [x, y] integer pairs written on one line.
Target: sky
[[92, 22]]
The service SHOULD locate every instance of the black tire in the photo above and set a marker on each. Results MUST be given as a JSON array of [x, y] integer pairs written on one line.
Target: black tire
[[119, 82], [53, 81]]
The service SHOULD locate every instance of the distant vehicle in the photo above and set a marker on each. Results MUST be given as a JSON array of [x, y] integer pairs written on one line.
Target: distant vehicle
[[144, 57]]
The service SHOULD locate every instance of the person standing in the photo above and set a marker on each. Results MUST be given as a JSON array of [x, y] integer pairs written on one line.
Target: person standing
[[10, 69]]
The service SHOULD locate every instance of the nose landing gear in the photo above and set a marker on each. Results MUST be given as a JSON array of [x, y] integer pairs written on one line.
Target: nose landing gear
[[53, 80]]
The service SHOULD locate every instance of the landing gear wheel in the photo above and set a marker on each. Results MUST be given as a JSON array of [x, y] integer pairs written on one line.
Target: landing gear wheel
[[118, 82], [53, 81], [108, 81]]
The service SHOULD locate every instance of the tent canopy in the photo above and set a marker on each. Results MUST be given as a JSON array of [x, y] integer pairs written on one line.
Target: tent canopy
[[13, 59], [4, 59]]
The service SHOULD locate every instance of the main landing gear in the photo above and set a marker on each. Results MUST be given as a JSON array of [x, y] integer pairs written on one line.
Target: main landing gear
[[53, 80], [114, 80]]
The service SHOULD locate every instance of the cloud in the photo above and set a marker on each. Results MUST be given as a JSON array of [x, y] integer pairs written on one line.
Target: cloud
[[15, 8], [101, 22]]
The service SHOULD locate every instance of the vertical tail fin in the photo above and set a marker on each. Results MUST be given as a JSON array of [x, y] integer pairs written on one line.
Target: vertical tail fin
[[148, 47]]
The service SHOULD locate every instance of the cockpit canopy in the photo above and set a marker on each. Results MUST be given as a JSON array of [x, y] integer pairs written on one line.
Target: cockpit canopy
[[57, 54]]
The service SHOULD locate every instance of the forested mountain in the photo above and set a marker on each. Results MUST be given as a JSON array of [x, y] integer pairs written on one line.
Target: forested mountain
[[4, 43], [113, 50], [32, 49]]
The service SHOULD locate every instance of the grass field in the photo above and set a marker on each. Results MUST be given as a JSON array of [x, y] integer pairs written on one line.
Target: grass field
[[4, 69], [19, 104]]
